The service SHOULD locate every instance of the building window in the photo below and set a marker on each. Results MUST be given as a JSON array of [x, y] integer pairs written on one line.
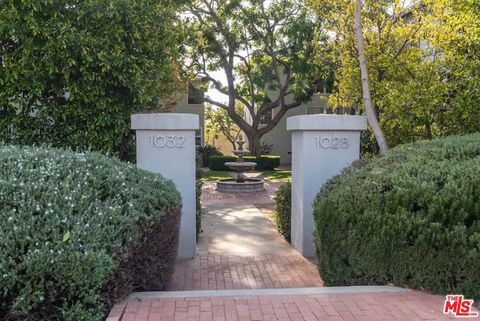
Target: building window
[[195, 96], [315, 110], [266, 117], [199, 137]]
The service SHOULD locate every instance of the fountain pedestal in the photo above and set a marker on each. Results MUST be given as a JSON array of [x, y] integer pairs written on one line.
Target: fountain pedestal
[[240, 184]]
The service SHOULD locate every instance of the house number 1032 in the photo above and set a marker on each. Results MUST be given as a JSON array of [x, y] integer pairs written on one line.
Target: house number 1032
[[331, 142], [170, 141]]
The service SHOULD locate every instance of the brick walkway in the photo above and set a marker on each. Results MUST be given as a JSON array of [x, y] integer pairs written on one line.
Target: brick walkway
[[241, 251], [403, 306], [220, 272]]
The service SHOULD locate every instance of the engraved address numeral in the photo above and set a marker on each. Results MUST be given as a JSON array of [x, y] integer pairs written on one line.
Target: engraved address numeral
[[170, 141], [331, 142]]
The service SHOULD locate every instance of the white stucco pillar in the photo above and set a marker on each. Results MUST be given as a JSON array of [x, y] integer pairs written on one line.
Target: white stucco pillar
[[166, 145], [322, 145]]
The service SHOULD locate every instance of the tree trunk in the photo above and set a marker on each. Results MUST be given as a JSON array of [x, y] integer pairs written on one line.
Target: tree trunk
[[254, 143], [233, 144], [371, 115]]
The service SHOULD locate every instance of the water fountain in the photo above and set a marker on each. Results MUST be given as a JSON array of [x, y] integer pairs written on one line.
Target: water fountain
[[240, 184]]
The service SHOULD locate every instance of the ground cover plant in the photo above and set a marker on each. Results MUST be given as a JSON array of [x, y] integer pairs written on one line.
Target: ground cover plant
[[278, 175], [79, 231], [410, 217]]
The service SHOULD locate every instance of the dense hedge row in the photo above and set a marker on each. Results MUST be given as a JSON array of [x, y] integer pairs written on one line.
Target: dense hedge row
[[283, 210], [79, 230], [264, 162], [409, 217], [198, 198]]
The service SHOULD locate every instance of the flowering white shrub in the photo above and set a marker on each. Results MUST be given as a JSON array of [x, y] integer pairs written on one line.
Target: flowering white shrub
[[66, 222]]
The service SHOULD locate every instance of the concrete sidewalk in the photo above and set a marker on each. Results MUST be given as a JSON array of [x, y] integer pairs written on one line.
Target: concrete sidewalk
[[240, 229]]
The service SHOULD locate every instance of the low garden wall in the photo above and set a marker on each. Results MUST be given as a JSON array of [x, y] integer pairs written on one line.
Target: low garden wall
[[80, 231]]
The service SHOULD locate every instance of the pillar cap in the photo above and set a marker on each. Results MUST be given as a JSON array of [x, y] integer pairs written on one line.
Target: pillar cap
[[165, 121], [321, 122]]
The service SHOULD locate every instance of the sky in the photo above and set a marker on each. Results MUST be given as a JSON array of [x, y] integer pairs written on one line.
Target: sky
[[214, 94]]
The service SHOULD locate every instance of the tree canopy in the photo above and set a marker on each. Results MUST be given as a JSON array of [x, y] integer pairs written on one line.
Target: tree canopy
[[72, 72], [265, 50], [423, 59]]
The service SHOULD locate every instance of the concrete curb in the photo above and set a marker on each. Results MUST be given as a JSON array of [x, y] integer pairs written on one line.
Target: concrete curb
[[266, 292]]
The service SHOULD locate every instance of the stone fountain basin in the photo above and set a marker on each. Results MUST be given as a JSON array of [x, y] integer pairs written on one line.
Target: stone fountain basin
[[240, 152], [240, 166], [230, 185]]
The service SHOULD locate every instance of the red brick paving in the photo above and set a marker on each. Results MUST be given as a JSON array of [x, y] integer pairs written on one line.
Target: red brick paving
[[401, 306], [220, 272], [211, 196]]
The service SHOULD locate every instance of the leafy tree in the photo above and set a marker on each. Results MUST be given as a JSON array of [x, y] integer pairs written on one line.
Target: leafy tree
[[265, 50], [369, 110], [217, 122], [72, 72], [421, 61]]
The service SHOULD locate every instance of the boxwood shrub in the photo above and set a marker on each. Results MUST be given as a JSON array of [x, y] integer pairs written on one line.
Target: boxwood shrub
[[410, 217], [264, 162], [283, 209], [79, 231]]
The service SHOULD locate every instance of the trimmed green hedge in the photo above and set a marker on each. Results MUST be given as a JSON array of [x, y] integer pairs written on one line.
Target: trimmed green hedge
[[283, 210], [198, 199], [217, 163], [264, 162], [410, 217], [207, 151], [79, 231]]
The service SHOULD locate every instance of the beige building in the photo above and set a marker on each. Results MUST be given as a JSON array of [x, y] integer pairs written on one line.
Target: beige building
[[191, 102], [280, 138]]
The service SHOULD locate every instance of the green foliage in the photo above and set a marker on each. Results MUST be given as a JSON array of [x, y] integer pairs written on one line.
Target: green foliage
[[207, 151], [423, 59], [283, 210], [264, 162], [198, 213], [264, 49], [265, 148], [72, 73], [410, 217], [69, 222], [217, 163], [218, 124]]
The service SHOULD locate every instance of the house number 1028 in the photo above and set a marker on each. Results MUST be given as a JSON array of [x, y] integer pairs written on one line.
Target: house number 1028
[[170, 141], [331, 142]]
